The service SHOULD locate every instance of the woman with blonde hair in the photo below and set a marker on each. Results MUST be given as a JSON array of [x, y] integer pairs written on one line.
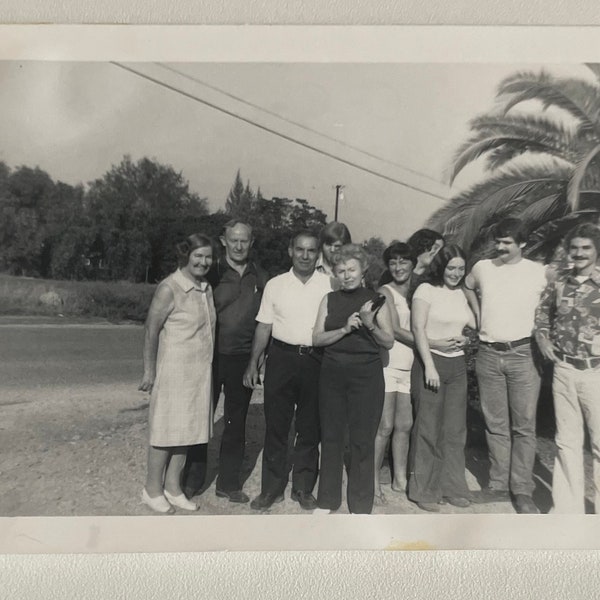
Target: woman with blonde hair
[[352, 325]]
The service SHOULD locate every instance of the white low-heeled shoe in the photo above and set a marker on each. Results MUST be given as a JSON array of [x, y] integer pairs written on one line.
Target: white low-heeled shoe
[[321, 511], [158, 504], [181, 501]]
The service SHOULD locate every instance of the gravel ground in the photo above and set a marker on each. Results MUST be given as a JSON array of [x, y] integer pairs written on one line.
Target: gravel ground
[[74, 427]]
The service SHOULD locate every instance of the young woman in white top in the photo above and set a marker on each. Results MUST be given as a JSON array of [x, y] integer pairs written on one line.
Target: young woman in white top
[[439, 378], [397, 417]]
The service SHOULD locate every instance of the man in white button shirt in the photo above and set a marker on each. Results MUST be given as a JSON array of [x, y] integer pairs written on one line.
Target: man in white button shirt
[[287, 313], [508, 290]]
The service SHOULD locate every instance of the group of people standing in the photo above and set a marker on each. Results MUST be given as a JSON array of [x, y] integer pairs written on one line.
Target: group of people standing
[[354, 369]]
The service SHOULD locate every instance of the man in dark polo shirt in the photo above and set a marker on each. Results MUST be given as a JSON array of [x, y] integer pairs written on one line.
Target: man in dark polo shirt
[[237, 288]]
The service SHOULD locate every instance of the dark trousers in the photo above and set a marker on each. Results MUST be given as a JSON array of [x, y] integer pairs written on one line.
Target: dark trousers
[[437, 454], [291, 384], [351, 395], [193, 474], [229, 375]]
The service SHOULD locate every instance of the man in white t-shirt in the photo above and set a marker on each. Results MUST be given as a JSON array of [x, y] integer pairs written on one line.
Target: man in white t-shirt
[[286, 317], [504, 293]]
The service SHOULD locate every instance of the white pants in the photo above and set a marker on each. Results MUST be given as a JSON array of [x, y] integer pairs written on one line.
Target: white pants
[[576, 404]]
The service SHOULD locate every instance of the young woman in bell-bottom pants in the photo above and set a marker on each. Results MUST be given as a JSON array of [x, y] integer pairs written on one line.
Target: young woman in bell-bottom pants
[[439, 433]]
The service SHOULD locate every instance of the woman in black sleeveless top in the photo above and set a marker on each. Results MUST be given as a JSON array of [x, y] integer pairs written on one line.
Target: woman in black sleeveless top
[[351, 387]]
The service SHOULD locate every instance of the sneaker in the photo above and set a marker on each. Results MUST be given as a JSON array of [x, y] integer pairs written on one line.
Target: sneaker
[[488, 495], [524, 505]]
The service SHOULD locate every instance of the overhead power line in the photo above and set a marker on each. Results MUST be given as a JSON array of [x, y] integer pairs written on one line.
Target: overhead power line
[[296, 123], [275, 132]]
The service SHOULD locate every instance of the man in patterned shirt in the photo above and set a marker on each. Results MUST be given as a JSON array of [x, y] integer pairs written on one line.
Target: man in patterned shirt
[[568, 334]]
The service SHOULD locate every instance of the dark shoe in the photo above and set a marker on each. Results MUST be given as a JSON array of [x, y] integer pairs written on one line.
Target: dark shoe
[[459, 501], [524, 505], [306, 500], [265, 501], [190, 492], [236, 496], [429, 506], [489, 495]]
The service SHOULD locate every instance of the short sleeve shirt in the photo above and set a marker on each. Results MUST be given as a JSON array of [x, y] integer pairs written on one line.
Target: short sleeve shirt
[[509, 296], [237, 298], [448, 314], [291, 306]]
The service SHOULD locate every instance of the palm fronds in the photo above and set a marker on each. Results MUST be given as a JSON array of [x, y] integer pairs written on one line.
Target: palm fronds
[[576, 96], [539, 165], [594, 68], [508, 192], [574, 189], [504, 137]]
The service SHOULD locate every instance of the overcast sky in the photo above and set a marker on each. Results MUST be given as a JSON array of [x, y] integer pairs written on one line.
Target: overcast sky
[[75, 120]]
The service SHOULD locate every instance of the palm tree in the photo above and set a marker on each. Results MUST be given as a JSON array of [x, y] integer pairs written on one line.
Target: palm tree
[[542, 163]]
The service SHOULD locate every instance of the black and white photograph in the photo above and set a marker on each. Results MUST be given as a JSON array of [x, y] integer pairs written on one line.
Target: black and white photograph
[[300, 289]]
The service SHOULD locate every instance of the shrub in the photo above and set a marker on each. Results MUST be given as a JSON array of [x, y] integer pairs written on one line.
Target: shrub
[[116, 300]]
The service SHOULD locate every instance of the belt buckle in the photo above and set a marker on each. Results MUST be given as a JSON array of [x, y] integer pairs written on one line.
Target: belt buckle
[[302, 350]]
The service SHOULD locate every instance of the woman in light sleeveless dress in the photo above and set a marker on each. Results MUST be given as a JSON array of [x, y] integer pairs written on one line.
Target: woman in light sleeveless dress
[[178, 352], [396, 419]]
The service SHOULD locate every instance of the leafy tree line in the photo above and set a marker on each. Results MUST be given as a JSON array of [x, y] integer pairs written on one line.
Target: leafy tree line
[[124, 225], [273, 221]]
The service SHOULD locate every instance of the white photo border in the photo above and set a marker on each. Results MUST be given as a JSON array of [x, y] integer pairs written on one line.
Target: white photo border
[[307, 44]]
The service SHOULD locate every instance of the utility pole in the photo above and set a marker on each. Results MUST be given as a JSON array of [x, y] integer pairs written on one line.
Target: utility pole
[[338, 196]]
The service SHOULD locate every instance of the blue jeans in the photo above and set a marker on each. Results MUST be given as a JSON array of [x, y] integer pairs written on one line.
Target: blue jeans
[[509, 385]]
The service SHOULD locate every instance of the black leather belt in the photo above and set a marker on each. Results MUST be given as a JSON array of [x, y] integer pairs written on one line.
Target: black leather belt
[[297, 349], [504, 346], [578, 362]]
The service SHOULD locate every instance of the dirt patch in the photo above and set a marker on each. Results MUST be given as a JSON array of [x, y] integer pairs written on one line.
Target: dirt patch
[[73, 435]]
